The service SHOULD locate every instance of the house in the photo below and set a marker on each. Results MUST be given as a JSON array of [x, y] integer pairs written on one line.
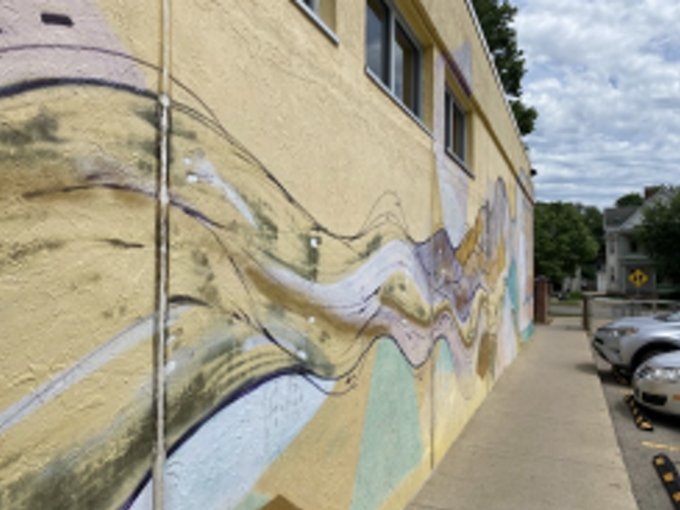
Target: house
[[629, 271]]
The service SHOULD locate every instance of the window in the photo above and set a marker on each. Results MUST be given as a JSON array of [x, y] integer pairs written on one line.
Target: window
[[456, 127], [376, 39], [322, 12], [406, 70], [392, 54]]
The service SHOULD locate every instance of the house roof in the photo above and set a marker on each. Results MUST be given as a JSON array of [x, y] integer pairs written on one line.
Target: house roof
[[614, 218], [627, 218]]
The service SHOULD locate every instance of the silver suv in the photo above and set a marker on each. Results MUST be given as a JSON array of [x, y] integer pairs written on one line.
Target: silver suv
[[627, 343]]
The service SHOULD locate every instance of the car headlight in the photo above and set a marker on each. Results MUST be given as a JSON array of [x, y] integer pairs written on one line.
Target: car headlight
[[620, 332], [658, 374], [626, 331]]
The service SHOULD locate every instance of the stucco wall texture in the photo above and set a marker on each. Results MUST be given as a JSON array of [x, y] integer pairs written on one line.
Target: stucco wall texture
[[342, 293]]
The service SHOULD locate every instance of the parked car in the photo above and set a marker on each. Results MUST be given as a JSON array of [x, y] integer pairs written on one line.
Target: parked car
[[628, 342], [656, 383]]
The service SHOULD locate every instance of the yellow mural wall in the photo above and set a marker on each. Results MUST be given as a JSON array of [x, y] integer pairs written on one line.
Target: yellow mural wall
[[343, 289]]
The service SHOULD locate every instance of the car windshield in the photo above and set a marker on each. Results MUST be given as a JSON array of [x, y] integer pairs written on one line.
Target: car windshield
[[674, 317]]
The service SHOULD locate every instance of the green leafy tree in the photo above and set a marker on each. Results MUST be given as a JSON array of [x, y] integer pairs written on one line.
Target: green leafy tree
[[524, 116], [562, 240], [496, 21], [631, 199], [659, 234], [592, 217]]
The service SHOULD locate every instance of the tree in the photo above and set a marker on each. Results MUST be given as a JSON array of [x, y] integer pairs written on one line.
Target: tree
[[659, 233], [631, 199], [592, 217], [496, 22], [524, 116], [562, 240]]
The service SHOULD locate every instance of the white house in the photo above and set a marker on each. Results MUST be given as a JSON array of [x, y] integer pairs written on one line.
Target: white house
[[628, 270]]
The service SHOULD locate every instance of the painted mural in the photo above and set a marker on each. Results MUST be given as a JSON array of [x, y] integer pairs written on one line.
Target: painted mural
[[297, 356]]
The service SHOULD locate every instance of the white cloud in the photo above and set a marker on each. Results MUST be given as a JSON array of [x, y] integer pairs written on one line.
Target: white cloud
[[605, 78]]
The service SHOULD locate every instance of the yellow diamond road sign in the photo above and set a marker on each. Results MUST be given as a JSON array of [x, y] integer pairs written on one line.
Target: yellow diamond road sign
[[638, 278]]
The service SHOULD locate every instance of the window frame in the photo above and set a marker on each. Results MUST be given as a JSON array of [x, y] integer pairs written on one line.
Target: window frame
[[312, 9], [453, 105], [393, 25]]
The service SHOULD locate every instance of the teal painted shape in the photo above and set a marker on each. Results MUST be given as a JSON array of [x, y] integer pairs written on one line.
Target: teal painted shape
[[444, 358], [528, 333], [391, 444], [252, 501]]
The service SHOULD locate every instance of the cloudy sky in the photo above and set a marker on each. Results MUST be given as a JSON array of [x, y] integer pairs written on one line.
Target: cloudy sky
[[604, 76]]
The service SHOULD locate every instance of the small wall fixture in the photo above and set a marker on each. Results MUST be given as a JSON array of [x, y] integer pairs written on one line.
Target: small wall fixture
[[51, 18]]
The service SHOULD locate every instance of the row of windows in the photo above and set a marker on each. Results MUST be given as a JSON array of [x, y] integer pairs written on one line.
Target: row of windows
[[394, 57]]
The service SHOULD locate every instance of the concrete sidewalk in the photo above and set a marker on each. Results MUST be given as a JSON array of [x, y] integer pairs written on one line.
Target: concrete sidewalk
[[543, 439]]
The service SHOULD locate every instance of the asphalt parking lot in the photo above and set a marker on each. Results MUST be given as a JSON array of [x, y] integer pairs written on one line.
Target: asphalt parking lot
[[639, 446]]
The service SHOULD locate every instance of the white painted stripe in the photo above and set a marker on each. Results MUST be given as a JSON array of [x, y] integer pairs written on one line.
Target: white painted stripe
[[133, 335]]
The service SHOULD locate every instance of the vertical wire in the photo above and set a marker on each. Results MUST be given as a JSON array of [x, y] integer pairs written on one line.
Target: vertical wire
[[162, 263], [434, 198]]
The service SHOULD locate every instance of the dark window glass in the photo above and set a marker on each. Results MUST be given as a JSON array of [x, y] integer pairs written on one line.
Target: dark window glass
[[376, 39], [406, 70], [455, 127], [458, 131], [448, 135]]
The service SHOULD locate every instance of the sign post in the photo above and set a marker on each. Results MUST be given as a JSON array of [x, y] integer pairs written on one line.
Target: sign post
[[638, 278]]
